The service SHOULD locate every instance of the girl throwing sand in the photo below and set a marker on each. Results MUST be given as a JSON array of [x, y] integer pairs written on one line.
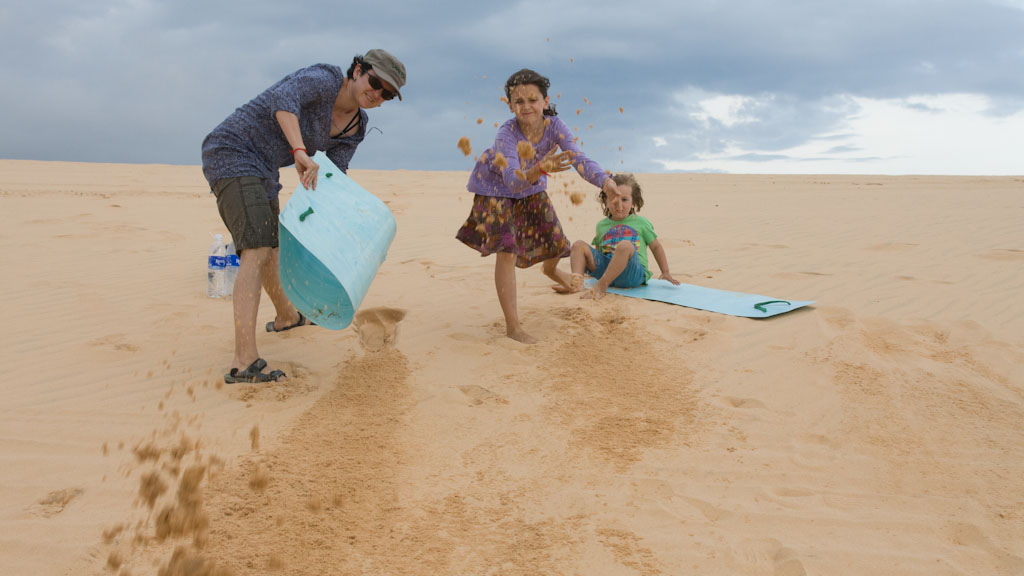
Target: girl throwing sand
[[512, 215]]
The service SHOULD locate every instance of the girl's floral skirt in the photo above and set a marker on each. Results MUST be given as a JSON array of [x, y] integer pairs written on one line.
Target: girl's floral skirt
[[527, 227]]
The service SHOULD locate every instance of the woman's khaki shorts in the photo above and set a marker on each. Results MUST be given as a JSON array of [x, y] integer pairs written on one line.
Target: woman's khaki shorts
[[246, 210]]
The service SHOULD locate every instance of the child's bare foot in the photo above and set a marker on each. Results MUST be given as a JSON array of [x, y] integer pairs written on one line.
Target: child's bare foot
[[595, 293], [520, 335], [577, 283]]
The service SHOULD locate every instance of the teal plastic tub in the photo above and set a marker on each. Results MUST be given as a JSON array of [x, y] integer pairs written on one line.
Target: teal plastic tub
[[332, 241]]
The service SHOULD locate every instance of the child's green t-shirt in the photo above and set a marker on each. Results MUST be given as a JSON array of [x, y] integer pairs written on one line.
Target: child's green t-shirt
[[636, 229]]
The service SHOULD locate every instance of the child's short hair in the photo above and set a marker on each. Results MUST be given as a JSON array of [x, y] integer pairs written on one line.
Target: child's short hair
[[630, 180]]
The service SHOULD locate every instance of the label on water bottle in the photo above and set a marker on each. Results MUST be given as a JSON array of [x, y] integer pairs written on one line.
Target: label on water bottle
[[233, 260], [217, 262]]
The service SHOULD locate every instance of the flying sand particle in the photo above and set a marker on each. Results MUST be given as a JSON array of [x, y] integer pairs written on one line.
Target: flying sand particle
[[500, 162], [479, 120], [464, 146], [577, 198], [621, 110], [525, 150], [151, 487]]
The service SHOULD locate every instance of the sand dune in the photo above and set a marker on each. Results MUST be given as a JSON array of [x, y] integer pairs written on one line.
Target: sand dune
[[876, 432]]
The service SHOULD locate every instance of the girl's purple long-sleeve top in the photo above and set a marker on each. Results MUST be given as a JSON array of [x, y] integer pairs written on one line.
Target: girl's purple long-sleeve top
[[489, 180]]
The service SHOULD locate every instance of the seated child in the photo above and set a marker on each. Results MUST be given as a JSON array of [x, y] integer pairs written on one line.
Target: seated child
[[618, 256]]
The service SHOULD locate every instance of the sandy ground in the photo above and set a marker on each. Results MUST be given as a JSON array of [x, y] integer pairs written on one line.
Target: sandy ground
[[879, 431]]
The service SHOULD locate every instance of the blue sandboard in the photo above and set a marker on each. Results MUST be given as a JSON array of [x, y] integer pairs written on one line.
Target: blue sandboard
[[710, 299]]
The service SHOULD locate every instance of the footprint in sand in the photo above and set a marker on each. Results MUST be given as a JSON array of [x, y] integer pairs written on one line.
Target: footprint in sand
[[763, 554], [378, 327], [55, 502], [744, 402], [115, 341], [787, 563], [478, 395]]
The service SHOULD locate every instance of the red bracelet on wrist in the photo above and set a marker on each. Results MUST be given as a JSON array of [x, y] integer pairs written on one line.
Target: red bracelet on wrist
[[296, 150], [542, 170]]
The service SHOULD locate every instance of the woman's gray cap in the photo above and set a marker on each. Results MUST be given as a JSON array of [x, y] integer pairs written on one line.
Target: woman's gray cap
[[387, 67]]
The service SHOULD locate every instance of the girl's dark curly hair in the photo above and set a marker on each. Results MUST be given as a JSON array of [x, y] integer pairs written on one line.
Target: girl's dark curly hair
[[527, 76], [638, 197]]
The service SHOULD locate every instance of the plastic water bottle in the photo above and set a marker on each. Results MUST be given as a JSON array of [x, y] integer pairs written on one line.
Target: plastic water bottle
[[231, 270], [216, 268]]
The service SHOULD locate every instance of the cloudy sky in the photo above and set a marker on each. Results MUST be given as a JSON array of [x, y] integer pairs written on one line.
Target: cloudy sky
[[739, 86]]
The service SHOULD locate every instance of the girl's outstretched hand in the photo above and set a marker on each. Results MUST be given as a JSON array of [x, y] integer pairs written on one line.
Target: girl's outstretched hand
[[306, 168], [556, 161], [609, 188], [669, 278]]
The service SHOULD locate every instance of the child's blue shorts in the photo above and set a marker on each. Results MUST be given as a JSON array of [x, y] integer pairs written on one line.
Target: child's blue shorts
[[634, 275]]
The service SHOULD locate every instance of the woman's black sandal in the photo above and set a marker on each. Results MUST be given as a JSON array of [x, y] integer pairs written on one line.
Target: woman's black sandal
[[253, 374]]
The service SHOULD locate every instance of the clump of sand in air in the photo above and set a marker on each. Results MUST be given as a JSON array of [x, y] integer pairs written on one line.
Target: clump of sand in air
[[188, 562], [525, 150], [151, 487], [500, 162], [578, 110], [254, 437], [621, 110], [520, 174], [114, 560], [505, 100], [479, 120], [465, 146], [577, 198], [186, 516]]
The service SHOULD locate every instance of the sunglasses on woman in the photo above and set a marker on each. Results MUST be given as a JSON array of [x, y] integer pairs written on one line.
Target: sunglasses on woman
[[376, 84]]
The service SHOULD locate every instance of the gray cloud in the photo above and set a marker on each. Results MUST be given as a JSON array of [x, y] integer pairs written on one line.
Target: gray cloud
[[140, 81]]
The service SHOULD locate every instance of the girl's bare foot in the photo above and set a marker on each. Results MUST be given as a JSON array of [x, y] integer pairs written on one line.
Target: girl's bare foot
[[575, 285], [520, 335]]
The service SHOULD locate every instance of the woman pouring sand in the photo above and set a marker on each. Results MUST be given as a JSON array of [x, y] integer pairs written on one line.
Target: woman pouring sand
[[320, 107]]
